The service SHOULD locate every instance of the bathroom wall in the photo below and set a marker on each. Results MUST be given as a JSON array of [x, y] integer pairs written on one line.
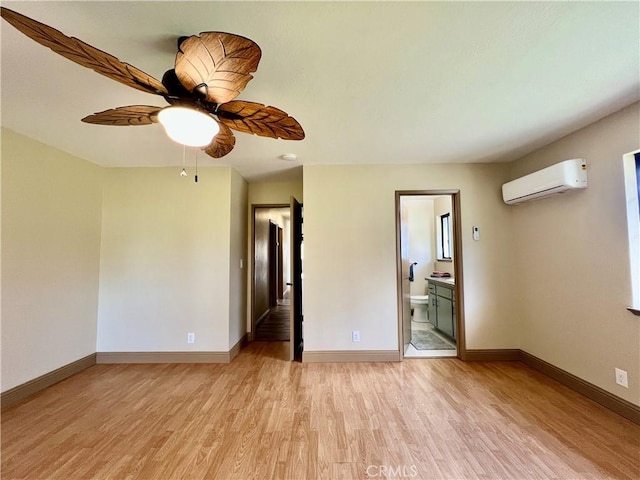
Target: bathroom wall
[[421, 239], [442, 205]]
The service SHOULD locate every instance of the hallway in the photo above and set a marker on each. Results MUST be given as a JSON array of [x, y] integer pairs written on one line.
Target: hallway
[[275, 327]]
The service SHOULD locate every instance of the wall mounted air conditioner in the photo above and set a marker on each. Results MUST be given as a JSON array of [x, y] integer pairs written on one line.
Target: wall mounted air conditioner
[[559, 178]]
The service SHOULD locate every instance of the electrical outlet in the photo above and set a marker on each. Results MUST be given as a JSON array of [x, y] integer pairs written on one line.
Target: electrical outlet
[[355, 336], [621, 378], [191, 337]]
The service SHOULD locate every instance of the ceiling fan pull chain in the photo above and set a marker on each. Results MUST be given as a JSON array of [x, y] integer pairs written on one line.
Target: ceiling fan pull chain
[[196, 178], [183, 173]]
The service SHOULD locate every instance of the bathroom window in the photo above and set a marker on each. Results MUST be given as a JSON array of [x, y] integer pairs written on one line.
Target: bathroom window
[[444, 242]]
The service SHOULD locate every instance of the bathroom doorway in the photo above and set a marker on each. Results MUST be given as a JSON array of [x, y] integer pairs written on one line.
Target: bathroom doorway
[[429, 266]]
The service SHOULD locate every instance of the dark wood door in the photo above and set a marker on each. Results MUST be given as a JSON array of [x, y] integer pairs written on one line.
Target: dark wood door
[[296, 342], [280, 266], [273, 264]]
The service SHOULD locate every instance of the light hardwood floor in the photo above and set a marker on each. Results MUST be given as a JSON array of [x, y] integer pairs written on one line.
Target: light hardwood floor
[[264, 417]]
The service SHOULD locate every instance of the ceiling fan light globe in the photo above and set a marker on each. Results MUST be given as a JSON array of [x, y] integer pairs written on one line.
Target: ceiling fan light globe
[[188, 126]]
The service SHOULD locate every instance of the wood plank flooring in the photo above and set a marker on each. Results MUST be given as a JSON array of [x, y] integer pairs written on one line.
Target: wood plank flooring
[[263, 417], [276, 326]]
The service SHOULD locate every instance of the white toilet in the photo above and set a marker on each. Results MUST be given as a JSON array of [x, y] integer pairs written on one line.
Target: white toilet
[[420, 308]]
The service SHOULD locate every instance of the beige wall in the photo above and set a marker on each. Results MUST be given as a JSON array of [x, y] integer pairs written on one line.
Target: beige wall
[[165, 260], [238, 254], [573, 262], [550, 277], [51, 207], [273, 193], [350, 253]]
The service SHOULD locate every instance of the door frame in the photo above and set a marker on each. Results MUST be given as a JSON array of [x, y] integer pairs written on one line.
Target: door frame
[[252, 263], [296, 339], [456, 212]]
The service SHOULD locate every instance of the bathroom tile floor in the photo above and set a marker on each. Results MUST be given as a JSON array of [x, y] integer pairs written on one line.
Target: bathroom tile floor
[[413, 352]]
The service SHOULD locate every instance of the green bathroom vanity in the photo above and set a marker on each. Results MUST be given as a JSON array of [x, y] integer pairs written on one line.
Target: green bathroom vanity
[[442, 305]]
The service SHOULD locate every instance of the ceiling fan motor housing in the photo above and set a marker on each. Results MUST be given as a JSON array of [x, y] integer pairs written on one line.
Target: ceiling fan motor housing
[[172, 83]]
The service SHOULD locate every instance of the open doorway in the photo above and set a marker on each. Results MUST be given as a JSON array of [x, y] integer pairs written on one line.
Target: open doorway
[[429, 265], [276, 294], [270, 312]]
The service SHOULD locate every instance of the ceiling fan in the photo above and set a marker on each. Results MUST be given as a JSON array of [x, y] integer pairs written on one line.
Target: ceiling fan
[[210, 70]]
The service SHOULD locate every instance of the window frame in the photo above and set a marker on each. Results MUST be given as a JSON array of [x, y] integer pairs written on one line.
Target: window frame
[[445, 240], [631, 170]]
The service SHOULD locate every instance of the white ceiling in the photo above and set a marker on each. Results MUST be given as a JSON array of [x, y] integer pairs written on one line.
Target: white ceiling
[[370, 82]]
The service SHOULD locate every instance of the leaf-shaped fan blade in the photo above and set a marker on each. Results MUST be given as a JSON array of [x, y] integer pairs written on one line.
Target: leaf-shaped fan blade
[[218, 63], [222, 143], [125, 116], [84, 54], [251, 117]]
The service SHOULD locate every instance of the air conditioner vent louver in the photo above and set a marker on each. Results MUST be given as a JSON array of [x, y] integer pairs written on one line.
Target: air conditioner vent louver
[[559, 178]]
